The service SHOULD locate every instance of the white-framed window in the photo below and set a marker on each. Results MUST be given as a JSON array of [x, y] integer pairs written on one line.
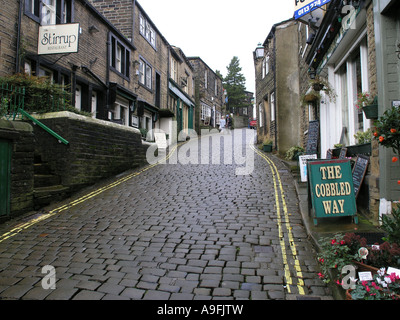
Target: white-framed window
[[44, 72], [135, 121], [145, 74], [205, 112], [121, 111], [48, 16], [147, 31], [174, 70], [273, 116], [206, 79], [93, 108], [260, 115], [265, 67]]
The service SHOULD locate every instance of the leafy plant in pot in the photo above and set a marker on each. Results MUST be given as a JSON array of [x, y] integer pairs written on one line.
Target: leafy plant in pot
[[267, 145]]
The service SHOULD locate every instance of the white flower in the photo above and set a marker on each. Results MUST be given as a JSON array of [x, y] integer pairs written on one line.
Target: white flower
[[387, 279], [381, 271]]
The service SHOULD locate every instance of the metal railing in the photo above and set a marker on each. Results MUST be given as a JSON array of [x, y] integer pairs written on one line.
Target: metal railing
[[11, 99], [13, 103]]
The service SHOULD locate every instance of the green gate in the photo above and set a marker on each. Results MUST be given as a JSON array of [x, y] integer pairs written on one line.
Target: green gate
[[5, 160]]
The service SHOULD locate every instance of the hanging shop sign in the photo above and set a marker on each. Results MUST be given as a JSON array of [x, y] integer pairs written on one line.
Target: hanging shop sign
[[303, 7], [331, 189], [59, 38]]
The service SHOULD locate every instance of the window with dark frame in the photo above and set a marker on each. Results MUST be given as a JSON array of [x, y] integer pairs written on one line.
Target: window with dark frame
[[120, 57], [50, 11]]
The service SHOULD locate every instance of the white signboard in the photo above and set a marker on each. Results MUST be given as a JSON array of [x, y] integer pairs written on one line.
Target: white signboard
[[59, 38], [303, 7], [161, 140], [303, 165]]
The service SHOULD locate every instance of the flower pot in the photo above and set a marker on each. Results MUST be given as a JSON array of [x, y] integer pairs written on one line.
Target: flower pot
[[371, 111], [353, 151], [267, 147], [311, 97], [318, 86]]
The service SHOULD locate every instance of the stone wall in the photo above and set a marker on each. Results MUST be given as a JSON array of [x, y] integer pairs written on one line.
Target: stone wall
[[8, 36], [97, 149], [20, 136]]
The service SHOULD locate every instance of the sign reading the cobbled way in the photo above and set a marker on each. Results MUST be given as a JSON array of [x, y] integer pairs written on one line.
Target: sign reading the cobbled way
[[303, 7], [331, 189]]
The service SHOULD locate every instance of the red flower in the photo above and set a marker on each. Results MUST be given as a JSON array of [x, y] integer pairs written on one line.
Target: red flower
[[393, 130], [342, 242], [333, 241], [381, 139], [398, 182], [394, 159], [376, 134]]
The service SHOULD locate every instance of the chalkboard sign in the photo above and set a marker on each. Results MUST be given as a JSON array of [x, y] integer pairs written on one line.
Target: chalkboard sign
[[359, 170], [313, 137], [343, 153], [329, 154]]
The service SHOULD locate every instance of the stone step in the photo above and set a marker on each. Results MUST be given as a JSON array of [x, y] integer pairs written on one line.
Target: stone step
[[41, 168], [46, 180], [45, 195]]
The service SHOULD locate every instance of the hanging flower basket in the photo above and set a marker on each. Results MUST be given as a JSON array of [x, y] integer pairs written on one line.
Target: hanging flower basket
[[371, 111]]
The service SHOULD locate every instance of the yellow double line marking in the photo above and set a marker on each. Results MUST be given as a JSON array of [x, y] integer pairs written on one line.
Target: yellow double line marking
[[284, 222], [84, 198]]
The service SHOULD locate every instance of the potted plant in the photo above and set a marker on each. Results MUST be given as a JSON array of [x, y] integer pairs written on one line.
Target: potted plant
[[320, 84], [368, 104], [382, 287], [294, 152], [267, 145], [335, 254], [391, 225], [387, 130]]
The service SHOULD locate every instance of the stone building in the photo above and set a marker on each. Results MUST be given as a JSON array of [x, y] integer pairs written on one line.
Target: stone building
[[277, 87], [181, 94], [353, 49], [209, 95], [93, 74]]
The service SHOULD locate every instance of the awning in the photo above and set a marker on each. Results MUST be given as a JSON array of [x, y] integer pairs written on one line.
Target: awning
[[181, 95]]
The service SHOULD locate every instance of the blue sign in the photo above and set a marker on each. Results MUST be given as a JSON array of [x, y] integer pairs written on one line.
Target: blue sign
[[309, 8]]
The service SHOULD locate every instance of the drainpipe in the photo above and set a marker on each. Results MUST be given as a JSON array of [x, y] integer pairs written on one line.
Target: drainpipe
[[133, 21], [17, 62], [107, 77], [276, 97]]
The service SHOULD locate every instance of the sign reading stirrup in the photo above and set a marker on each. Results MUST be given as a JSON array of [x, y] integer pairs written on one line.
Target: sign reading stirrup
[[60, 38]]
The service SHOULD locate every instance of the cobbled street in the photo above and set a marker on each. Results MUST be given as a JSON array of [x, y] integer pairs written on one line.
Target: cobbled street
[[171, 231]]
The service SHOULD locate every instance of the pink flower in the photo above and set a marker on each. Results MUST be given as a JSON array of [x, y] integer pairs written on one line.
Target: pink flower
[[375, 286], [333, 241]]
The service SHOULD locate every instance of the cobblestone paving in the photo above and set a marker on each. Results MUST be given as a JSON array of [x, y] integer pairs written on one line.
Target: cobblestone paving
[[170, 231]]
